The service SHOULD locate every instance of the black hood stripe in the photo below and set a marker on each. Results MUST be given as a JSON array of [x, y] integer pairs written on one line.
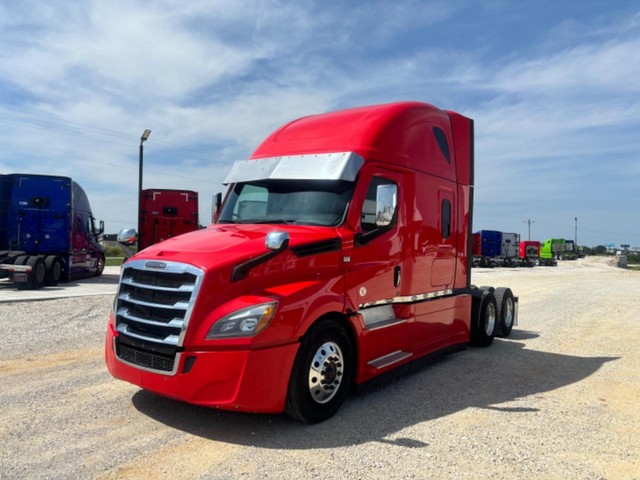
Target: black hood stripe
[[316, 248]]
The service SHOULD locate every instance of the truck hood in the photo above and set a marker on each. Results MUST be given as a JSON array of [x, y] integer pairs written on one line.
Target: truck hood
[[223, 245]]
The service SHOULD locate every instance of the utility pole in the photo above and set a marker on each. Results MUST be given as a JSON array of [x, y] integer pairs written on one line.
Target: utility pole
[[575, 239], [529, 222]]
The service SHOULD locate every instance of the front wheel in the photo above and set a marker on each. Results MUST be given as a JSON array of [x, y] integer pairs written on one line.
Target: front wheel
[[100, 265], [322, 373]]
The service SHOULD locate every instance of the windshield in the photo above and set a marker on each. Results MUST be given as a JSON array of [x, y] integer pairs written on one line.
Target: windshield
[[302, 202]]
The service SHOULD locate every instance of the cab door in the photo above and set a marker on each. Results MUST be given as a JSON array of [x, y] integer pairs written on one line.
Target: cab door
[[435, 266], [374, 271]]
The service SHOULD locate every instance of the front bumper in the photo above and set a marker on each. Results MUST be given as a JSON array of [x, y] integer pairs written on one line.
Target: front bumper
[[244, 380]]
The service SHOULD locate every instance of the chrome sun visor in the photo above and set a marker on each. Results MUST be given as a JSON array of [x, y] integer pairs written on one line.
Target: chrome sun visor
[[320, 166]]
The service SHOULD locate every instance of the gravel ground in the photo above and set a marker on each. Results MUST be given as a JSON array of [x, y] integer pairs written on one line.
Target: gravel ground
[[556, 400]]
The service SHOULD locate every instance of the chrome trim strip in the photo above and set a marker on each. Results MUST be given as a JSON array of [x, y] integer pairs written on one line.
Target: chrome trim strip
[[387, 323], [183, 288], [174, 323], [389, 359], [419, 297], [176, 306], [168, 340], [320, 166]]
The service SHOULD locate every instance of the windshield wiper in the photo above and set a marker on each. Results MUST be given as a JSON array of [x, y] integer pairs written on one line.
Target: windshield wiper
[[275, 221]]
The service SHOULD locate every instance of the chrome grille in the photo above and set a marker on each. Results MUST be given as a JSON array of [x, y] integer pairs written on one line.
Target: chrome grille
[[152, 311]]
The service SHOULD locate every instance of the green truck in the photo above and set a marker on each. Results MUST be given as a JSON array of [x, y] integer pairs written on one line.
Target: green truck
[[551, 250]]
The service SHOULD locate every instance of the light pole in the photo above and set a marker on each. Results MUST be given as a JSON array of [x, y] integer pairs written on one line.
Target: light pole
[[144, 136]]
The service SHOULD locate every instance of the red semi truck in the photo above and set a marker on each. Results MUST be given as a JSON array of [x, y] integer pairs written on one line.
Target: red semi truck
[[529, 253], [341, 253]]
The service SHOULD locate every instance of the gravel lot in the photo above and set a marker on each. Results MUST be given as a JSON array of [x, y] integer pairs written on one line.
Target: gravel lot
[[557, 400]]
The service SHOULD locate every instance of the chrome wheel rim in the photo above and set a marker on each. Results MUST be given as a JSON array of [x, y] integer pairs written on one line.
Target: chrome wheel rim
[[508, 315], [326, 372], [490, 319]]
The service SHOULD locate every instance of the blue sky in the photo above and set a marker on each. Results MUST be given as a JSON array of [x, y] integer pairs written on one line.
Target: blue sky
[[553, 86]]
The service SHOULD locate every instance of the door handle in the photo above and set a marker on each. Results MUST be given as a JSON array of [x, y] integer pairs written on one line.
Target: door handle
[[396, 276]]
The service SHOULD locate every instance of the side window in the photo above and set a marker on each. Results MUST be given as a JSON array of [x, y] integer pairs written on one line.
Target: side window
[[380, 205], [441, 138], [446, 219]]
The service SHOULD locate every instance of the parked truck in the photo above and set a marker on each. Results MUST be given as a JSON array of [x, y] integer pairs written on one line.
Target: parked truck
[[509, 249], [340, 255], [570, 250], [47, 231], [166, 214], [529, 253], [488, 246], [551, 250]]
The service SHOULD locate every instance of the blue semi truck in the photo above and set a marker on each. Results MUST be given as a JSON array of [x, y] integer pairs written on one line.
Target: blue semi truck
[[47, 231], [491, 248]]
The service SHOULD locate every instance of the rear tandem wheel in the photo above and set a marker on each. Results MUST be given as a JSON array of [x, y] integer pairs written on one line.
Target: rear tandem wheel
[[506, 311], [483, 327]]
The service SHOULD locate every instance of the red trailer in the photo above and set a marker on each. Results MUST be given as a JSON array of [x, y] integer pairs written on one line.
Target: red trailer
[[166, 214], [341, 253]]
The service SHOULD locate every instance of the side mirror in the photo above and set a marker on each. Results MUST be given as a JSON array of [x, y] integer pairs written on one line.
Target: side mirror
[[215, 207], [127, 236], [277, 240], [101, 227]]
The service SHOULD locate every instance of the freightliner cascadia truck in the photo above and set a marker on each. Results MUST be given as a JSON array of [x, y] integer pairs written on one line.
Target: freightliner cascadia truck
[[341, 254], [47, 231]]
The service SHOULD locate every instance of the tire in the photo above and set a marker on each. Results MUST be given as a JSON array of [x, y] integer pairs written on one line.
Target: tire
[[100, 265], [483, 327], [37, 275], [322, 373], [54, 270], [21, 260], [505, 312]]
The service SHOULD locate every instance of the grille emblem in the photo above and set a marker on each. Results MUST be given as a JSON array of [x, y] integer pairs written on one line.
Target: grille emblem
[[156, 265]]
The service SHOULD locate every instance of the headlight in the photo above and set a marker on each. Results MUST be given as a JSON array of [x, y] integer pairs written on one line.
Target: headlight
[[243, 323]]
